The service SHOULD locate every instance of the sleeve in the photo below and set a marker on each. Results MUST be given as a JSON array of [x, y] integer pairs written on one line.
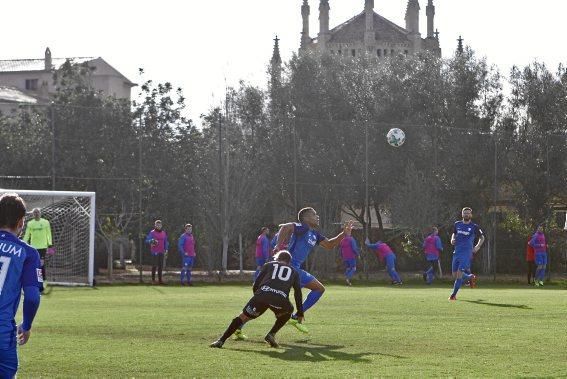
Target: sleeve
[[439, 244], [298, 295], [30, 307], [455, 228], [266, 247], [27, 235], [479, 232], [320, 238], [49, 236], [533, 241], [260, 278], [354, 246], [149, 237], [373, 246], [181, 244], [31, 272]]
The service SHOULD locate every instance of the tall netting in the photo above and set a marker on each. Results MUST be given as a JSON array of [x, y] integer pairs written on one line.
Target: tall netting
[[72, 226]]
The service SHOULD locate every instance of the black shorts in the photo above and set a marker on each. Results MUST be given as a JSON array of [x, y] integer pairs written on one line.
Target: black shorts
[[262, 302], [42, 253]]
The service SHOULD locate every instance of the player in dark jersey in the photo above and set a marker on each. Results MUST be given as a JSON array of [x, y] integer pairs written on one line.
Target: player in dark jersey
[[271, 291]]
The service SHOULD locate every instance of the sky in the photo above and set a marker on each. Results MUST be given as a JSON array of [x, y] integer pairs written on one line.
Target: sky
[[204, 45]]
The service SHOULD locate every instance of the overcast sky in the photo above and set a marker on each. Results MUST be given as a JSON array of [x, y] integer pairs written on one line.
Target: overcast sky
[[199, 45]]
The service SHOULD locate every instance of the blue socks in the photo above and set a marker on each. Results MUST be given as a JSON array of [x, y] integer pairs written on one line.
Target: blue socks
[[183, 271], [466, 276], [458, 284], [188, 276], [394, 275], [311, 299], [349, 273], [186, 273]]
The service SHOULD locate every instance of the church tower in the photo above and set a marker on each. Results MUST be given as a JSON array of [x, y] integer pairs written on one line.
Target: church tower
[[369, 34], [305, 12], [412, 24], [324, 10]]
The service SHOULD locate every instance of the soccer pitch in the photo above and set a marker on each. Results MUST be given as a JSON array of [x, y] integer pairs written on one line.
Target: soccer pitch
[[362, 331]]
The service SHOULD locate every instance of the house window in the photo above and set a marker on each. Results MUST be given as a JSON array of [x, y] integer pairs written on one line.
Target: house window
[[31, 84], [385, 52], [406, 52], [393, 52], [353, 52], [379, 53], [340, 52]]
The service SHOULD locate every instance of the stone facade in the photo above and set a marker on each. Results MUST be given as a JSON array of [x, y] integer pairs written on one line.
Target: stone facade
[[368, 32]]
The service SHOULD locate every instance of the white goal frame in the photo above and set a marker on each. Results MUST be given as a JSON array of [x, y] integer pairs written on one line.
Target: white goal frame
[[92, 223]]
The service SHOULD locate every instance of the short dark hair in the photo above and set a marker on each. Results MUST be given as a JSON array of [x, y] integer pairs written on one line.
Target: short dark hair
[[12, 210], [302, 213], [283, 255], [263, 229], [188, 225], [466, 209]]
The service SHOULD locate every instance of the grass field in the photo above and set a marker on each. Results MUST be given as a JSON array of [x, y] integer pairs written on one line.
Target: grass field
[[364, 331]]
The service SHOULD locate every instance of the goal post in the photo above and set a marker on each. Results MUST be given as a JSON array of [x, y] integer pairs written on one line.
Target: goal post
[[72, 218]]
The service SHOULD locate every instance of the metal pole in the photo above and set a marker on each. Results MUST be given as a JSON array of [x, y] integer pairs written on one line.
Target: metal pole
[[240, 253], [140, 214], [495, 206], [52, 116], [366, 200], [294, 132], [220, 182]]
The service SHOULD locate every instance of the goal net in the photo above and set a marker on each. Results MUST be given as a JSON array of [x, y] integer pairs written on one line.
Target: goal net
[[72, 219]]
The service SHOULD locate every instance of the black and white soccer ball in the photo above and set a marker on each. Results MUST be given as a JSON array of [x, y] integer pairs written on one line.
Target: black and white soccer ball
[[396, 137]]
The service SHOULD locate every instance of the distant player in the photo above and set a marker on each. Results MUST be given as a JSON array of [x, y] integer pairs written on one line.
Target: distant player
[[464, 234], [271, 291], [186, 248], [300, 238], [349, 252], [530, 260], [432, 247], [159, 245], [38, 235], [540, 247], [19, 271], [386, 255], [262, 250]]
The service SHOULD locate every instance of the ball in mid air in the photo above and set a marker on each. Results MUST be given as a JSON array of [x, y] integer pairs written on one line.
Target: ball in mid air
[[396, 137]]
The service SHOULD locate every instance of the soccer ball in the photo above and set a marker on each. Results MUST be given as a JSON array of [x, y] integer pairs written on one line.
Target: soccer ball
[[396, 137]]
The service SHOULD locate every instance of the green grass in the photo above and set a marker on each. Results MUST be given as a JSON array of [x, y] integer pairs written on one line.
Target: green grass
[[364, 331]]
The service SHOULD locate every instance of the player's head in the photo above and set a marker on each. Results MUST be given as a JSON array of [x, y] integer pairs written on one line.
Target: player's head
[[283, 256], [12, 212], [540, 228], [188, 228], [36, 213], [434, 230], [265, 231], [158, 225], [308, 216], [467, 213]]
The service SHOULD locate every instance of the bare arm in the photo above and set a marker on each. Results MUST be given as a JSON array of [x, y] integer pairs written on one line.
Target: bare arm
[[453, 239], [284, 234], [479, 244], [330, 244]]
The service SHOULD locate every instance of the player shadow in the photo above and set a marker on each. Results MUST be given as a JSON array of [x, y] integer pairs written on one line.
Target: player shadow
[[314, 353], [502, 305]]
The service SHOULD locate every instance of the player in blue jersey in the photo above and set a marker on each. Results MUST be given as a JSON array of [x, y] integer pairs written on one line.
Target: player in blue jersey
[[300, 238], [463, 238], [20, 269]]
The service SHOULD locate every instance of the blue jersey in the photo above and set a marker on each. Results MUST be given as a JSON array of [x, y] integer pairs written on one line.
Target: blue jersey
[[465, 236], [302, 241], [19, 268]]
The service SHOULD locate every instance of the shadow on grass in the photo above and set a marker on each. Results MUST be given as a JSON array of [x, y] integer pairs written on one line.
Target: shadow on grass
[[315, 353], [502, 305]]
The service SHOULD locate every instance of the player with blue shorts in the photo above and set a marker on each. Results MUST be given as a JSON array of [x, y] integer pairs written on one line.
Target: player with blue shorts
[[539, 244], [20, 270], [300, 239], [464, 235], [186, 248], [262, 250]]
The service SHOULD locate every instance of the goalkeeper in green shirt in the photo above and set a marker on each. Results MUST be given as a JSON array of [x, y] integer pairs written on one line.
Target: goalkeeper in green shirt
[[38, 235]]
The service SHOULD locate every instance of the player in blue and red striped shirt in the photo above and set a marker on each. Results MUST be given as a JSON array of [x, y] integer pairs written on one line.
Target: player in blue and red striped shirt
[[432, 247], [20, 269], [349, 252], [540, 246], [262, 250], [186, 248], [386, 255]]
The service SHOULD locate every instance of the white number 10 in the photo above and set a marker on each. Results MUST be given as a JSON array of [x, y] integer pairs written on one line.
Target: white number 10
[[5, 263], [283, 272]]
